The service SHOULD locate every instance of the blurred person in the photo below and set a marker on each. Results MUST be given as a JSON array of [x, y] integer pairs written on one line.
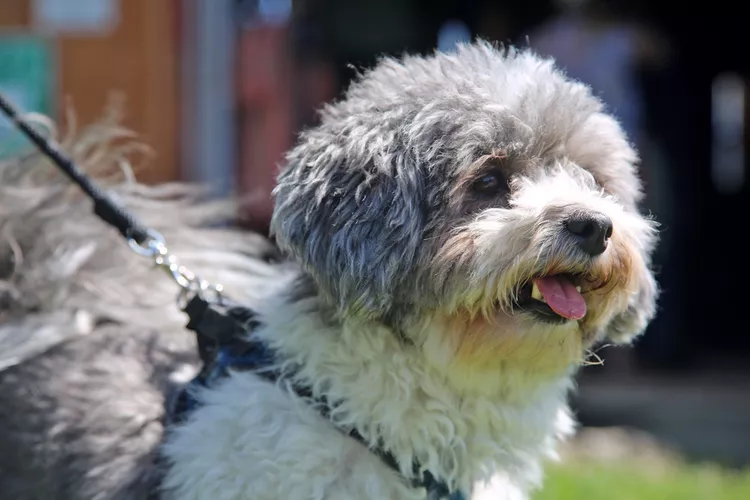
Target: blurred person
[[598, 45]]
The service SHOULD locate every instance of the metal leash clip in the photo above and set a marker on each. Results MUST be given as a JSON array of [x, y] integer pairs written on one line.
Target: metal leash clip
[[191, 285]]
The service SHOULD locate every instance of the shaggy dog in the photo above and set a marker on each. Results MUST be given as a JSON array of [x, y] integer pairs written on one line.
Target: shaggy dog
[[463, 228]]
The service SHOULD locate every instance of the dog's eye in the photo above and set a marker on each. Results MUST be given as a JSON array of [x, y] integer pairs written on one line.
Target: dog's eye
[[489, 183]]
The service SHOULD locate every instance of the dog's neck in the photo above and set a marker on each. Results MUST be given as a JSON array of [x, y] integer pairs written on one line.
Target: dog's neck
[[404, 404]]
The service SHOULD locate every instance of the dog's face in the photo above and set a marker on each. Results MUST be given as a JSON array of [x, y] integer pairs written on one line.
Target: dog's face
[[480, 203]]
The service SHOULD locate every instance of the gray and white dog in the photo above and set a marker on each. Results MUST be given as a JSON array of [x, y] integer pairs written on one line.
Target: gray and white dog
[[463, 228]]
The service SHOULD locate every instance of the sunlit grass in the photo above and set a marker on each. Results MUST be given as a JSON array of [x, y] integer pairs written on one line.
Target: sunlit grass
[[624, 481], [613, 465]]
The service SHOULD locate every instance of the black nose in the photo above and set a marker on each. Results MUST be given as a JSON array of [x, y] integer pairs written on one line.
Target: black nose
[[592, 231]]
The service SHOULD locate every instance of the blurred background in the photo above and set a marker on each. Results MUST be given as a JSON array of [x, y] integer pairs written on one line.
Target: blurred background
[[219, 88]]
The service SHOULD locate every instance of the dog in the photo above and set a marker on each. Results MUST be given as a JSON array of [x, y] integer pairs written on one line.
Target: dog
[[461, 230]]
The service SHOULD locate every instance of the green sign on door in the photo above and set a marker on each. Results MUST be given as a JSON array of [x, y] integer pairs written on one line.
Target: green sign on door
[[27, 70]]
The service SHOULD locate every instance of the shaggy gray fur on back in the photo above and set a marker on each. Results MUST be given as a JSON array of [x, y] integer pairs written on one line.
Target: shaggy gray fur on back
[[90, 337]]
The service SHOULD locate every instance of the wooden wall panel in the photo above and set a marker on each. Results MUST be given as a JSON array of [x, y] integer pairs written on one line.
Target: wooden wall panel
[[14, 13], [138, 59]]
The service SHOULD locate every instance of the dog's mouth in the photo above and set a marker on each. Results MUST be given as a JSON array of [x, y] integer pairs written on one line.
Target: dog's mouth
[[554, 298]]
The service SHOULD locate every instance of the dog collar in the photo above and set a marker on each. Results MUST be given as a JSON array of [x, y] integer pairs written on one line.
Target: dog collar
[[223, 332]]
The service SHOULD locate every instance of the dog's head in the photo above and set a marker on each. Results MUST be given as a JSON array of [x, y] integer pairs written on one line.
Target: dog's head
[[482, 195]]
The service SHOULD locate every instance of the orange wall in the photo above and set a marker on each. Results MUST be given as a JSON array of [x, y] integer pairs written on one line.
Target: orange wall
[[139, 58]]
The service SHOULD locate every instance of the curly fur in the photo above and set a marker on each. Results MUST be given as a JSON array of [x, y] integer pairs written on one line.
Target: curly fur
[[399, 308]]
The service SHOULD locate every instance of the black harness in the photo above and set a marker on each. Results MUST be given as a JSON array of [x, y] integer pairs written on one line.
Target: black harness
[[222, 328]]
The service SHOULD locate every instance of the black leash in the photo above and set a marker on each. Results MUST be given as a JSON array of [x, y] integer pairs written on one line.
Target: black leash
[[221, 326], [104, 206]]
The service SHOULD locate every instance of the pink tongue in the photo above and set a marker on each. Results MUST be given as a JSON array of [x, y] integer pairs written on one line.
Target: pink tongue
[[562, 297]]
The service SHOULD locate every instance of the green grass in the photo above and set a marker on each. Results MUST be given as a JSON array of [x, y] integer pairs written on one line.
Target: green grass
[[633, 481]]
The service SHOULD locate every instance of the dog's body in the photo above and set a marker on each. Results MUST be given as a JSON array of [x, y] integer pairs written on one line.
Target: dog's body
[[441, 217]]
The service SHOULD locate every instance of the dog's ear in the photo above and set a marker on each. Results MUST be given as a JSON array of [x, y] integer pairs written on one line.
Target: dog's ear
[[353, 220], [640, 311]]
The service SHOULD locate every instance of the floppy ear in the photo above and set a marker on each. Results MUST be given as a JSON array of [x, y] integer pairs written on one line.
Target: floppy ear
[[353, 220]]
